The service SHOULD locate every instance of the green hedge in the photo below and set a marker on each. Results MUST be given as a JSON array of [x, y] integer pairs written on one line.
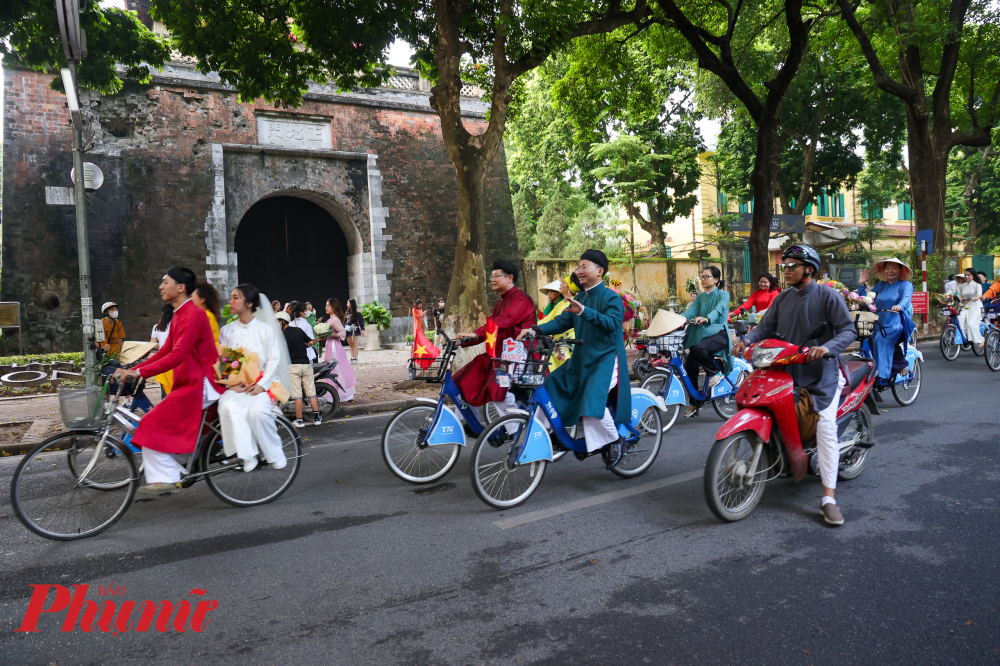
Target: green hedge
[[72, 357]]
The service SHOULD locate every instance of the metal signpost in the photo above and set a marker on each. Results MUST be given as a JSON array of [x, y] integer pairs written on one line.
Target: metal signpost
[[74, 42]]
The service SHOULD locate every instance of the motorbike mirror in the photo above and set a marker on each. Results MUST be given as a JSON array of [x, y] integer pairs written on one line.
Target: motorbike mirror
[[817, 331]]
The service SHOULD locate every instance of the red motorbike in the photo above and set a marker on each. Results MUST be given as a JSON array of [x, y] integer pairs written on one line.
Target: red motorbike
[[749, 451]]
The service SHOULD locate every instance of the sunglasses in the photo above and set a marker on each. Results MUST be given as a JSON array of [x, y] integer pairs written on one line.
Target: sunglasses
[[790, 266]]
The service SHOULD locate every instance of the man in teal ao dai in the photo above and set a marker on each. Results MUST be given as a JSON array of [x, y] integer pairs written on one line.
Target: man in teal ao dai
[[598, 370]]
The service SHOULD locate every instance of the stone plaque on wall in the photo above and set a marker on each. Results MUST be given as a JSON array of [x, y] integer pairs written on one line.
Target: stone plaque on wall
[[294, 132]]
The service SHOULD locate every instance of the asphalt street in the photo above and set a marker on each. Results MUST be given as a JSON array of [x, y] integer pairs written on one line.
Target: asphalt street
[[353, 566]]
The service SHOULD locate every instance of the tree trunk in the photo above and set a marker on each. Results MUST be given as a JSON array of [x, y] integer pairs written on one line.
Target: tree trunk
[[928, 168], [653, 226], [764, 179], [467, 291]]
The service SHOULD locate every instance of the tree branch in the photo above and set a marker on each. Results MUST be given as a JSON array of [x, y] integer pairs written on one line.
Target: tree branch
[[882, 79]]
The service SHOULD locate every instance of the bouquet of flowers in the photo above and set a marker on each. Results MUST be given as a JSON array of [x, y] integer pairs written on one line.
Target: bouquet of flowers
[[945, 300], [236, 367], [322, 330], [857, 303]]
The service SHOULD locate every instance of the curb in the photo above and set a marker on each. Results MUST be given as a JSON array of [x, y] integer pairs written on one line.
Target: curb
[[373, 407]]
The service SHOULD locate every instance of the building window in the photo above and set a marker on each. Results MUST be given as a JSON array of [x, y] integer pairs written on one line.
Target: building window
[[870, 211], [668, 252], [746, 206], [905, 211], [824, 205], [722, 201]]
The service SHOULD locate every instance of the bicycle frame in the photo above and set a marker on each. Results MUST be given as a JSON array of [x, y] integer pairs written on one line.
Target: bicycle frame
[[446, 427], [866, 352], [536, 444], [675, 396]]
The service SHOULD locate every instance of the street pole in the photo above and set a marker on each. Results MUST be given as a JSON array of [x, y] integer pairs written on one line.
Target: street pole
[[82, 241], [923, 268]]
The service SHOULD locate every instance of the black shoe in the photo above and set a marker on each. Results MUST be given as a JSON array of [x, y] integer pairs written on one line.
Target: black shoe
[[616, 453], [580, 456]]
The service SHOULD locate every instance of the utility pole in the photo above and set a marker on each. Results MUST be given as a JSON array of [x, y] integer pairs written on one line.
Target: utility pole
[[74, 42]]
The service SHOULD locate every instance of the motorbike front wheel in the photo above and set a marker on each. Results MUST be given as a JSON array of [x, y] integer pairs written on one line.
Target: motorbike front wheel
[[731, 490], [642, 368]]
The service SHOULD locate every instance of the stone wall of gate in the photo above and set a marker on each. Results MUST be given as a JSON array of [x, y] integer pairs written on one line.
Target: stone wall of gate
[[165, 149]]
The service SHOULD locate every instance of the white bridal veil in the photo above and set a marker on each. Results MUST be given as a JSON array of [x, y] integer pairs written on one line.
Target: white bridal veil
[[265, 314]]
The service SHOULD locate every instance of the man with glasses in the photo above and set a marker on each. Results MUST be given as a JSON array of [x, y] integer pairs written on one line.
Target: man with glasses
[[513, 312], [580, 388], [789, 318]]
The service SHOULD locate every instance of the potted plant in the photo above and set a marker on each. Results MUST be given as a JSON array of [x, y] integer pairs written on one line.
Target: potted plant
[[375, 314]]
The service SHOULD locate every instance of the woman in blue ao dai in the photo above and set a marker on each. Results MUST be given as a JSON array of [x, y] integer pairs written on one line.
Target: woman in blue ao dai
[[894, 292]]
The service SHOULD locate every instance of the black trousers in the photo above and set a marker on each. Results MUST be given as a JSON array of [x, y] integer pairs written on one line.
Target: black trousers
[[702, 355]]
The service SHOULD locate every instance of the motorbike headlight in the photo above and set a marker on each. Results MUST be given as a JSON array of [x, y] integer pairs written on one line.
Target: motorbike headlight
[[763, 357]]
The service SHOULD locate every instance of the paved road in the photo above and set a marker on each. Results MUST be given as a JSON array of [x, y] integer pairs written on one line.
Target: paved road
[[352, 566]]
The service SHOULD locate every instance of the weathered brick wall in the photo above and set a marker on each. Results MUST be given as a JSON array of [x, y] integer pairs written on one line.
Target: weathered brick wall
[[154, 145]]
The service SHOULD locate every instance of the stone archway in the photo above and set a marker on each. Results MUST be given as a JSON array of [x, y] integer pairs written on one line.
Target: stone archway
[[293, 249]]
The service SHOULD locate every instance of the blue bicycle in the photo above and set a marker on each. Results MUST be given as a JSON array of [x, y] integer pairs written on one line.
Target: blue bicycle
[[953, 339], [510, 455], [422, 443], [673, 384], [905, 385]]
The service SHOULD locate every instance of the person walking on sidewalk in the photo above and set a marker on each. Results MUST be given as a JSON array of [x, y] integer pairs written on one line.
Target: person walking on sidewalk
[[300, 369], [355, 327], [114, 332]]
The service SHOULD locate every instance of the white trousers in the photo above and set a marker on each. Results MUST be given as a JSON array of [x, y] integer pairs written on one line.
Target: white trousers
[[160, 467], [504, 407], [969, 319], [248, 427], [827, 441]]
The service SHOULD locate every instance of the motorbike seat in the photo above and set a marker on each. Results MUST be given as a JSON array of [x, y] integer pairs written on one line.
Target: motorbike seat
[[856, 371]]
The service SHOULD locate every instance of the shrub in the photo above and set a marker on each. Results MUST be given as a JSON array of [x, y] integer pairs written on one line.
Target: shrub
[[76, 358]]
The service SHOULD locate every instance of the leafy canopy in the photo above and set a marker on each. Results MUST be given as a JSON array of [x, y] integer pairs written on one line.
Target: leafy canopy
[[29, 37]]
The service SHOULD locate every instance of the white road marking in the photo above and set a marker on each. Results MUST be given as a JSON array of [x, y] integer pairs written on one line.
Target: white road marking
[[587, 502]]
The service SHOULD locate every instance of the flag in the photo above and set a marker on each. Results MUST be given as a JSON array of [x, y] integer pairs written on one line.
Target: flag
[[423, 350], [491, 337]]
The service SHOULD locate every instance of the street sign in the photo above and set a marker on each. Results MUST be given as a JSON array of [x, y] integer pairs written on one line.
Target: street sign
[[926, 235], [10, 315], [920, 301], [780, 224]]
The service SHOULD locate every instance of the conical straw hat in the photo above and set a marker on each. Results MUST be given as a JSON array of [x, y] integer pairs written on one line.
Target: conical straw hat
[[663, 323], [905, 272]]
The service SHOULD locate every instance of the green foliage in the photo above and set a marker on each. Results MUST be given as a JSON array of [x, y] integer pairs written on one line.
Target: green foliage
[[76, 358], [597, 228], [553, 225], [29, 37], [376, 313], [227, 316]]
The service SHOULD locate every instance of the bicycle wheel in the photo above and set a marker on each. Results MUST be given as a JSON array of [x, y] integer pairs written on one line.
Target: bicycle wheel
[[494, 480], [657, 382], [726, 407], [407, 460], [641, 454], [54, 502], [641, 368], [949, 349], [731, 491], [122, 436], [993, 350], [907, 392], [976, 349], [264, 484]]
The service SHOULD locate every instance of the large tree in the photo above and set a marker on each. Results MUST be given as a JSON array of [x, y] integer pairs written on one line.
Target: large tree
[[942, 59], [755, 50]]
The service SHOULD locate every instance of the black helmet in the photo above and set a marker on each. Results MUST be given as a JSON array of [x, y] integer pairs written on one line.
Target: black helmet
[[803, 253]]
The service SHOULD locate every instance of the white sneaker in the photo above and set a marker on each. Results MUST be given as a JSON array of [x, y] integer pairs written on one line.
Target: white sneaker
[[299, 423], [318, 420], [250, 465], [281, 465]]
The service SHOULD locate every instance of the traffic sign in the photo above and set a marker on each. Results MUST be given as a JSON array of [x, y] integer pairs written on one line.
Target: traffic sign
[[920, 301]]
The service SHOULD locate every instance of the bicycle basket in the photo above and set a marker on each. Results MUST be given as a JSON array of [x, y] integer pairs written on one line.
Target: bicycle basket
[[434, 371], [865, 322], [529, 373], [669, 343], [81, 408]]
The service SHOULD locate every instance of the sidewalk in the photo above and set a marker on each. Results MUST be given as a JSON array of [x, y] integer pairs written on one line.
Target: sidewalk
[[28, 420]]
